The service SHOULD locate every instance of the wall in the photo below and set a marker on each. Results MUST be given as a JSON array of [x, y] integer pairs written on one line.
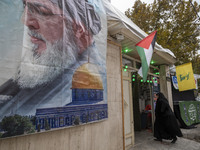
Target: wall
[[165, 85], [104, 135]]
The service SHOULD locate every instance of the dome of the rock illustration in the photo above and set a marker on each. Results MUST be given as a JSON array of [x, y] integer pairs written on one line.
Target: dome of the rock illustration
[[87, 86], [87, 77]]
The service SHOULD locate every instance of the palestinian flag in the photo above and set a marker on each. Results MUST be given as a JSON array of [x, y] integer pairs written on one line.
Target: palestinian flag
[[145, 50]]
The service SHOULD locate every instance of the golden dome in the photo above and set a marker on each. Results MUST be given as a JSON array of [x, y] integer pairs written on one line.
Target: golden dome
[[87, 77]]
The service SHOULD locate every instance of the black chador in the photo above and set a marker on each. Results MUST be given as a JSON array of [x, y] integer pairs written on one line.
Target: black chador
[[165, 126]]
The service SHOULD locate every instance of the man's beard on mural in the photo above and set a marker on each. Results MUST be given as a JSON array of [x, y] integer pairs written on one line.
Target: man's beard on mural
[[38, 69]]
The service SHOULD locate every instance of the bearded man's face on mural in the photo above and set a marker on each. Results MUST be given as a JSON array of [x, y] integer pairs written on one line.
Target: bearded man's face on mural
[[52, 42]]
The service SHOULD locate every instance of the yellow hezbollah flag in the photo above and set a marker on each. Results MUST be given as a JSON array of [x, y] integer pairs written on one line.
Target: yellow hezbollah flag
[[185, 77]]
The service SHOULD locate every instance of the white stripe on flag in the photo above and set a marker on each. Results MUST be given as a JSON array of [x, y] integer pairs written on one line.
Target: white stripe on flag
[[148, 55]]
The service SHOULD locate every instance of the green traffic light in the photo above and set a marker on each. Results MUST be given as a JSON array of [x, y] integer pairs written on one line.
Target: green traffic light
[[133, 79]]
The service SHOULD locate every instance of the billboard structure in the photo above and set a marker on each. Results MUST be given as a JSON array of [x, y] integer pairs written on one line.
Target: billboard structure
[[53, 62]]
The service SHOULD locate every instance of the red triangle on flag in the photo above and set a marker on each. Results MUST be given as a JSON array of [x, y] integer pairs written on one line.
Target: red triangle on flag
[[146, 42]]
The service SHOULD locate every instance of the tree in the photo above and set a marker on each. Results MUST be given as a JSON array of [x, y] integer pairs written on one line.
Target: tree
[[140, 15], [16, 125], [176, 23]]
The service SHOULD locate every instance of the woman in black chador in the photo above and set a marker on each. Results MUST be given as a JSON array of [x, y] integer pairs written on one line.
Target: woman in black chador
[[165, 126]]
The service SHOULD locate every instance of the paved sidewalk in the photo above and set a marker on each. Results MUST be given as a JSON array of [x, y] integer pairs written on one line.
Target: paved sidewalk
[[192, 134], [144, 140]]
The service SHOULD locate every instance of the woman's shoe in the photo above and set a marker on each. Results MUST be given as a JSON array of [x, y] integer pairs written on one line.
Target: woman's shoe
[[174, 140]]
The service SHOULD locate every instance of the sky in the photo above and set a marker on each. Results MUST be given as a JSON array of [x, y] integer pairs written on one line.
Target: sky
[[123, 5]]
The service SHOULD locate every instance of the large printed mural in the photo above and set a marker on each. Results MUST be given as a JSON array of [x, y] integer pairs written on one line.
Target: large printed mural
[[52, 64]]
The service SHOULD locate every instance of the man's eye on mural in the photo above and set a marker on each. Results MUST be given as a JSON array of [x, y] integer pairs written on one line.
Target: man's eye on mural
[[38, 9], [24, 3]]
